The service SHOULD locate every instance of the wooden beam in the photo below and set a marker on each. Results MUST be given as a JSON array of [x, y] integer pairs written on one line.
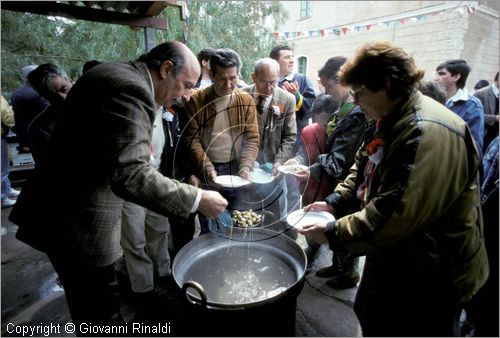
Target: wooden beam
[[157, 6], [154, 7], [83, 13], [175, 3]]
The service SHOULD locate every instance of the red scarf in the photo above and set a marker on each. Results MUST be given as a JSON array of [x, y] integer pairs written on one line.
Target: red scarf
[[375, 152]]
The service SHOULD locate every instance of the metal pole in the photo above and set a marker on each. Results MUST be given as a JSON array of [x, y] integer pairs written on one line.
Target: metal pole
[[148, 38]]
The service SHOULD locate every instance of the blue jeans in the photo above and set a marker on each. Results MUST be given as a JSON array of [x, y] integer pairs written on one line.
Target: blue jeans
[[6, 188]]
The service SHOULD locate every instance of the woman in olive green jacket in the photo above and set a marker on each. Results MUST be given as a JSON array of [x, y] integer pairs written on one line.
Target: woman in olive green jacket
[[411, 203]]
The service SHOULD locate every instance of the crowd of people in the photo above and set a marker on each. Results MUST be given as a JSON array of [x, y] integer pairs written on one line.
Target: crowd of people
[[397, 161]]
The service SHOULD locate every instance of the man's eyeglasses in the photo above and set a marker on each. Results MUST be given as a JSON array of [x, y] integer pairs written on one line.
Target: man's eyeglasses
[[268, 83], [355, 92]]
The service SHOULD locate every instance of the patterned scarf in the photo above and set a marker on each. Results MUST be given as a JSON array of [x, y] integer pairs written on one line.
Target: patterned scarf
[[375, 152]]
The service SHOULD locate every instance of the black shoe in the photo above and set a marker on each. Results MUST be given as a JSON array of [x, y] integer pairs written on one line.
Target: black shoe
[[327, 272], [343, 282]]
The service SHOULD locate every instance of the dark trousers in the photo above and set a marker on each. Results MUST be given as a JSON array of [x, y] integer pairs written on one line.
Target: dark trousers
[[91, 292], [482, 311], [402, 305], [182, 231]]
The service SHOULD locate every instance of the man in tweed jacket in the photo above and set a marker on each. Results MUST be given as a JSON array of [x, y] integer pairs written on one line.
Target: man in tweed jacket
[[98, 157]]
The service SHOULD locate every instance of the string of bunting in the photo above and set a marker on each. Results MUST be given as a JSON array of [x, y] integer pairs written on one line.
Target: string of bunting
[[466, 7]]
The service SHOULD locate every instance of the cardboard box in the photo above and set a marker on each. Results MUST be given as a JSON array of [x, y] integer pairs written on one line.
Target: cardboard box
[[19, 160]]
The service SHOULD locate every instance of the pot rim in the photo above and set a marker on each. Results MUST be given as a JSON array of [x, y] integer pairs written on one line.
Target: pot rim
[[197, 300]]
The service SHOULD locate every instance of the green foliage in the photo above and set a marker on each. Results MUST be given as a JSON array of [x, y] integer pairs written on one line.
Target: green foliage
[[239, 25], [35, 39]]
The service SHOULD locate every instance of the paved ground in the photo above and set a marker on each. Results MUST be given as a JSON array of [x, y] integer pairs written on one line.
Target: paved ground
[[31, 296]]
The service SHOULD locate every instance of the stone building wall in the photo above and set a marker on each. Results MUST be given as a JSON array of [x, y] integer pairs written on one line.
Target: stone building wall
[[455, 32]]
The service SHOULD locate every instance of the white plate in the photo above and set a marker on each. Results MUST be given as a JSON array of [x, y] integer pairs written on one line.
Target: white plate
[[260, 176], [289, 169], [299, 218], [230, 181]]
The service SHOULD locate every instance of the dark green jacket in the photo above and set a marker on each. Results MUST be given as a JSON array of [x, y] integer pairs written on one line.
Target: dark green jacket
[[421, 226]]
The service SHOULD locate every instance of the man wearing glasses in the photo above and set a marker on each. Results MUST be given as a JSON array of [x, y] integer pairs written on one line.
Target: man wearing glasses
[[277, 125]]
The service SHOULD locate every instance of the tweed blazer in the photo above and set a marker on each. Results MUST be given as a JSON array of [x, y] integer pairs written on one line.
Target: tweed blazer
[[98, 157], [280, 129], [244, 128]]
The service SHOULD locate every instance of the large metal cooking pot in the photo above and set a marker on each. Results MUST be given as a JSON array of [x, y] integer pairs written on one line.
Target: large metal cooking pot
[[250, 281]]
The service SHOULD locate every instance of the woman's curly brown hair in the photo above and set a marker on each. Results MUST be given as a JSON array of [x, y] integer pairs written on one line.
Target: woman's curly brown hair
[[378, 62]]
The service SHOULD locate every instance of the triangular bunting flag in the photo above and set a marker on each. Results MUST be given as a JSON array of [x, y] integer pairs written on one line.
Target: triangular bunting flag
[[469, 7]]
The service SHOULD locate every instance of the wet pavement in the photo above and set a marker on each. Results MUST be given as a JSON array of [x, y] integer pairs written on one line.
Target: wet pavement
[[32, 298]]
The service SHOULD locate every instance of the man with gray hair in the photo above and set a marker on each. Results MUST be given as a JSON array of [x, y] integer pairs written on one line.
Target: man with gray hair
[[53, 84], [26, 104], [277, 129]]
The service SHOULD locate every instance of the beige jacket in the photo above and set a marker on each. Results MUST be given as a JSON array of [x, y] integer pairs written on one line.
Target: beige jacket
[[7, 117]]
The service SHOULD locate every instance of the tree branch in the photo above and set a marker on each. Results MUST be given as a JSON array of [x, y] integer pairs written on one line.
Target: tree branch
[[47, 57]]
